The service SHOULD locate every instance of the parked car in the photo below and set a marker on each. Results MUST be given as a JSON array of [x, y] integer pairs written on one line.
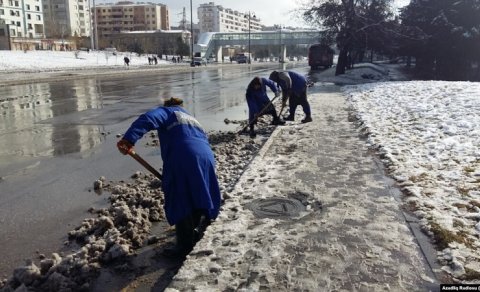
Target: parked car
[[242, 58]]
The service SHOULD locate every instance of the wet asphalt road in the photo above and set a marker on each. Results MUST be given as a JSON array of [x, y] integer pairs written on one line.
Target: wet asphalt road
[[57, 138]]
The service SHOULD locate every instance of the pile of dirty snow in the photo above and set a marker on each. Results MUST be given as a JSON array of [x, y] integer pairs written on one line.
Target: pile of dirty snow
[[116, 232]]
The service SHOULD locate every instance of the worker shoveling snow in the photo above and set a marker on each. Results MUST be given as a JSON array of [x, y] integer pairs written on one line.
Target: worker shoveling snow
[[113, 235]]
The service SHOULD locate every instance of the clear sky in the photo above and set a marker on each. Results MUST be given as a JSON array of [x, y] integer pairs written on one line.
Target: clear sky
[[270, 12]]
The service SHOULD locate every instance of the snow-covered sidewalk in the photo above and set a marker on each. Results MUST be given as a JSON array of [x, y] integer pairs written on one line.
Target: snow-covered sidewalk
[[333, 225]]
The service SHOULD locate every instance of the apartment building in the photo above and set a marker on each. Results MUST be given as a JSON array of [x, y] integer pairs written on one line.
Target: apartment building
[[65, 18], [22, 18], [216, 18], [129, 16]]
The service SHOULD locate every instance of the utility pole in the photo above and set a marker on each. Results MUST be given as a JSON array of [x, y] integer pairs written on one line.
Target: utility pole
[[249, 50], [92, 42], [95, 25], [191, 34], [249, 36], [183, 23]]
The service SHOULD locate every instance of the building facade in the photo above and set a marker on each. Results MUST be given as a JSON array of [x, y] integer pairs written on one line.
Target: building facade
[[23, 18], [66, 18], [215, 18], [127, 16], [170, 42]]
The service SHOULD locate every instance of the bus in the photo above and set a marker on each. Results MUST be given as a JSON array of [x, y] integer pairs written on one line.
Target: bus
[[320, 55]]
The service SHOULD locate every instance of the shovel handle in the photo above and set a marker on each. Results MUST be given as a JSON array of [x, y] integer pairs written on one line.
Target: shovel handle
[[258, 115], [144, 163]]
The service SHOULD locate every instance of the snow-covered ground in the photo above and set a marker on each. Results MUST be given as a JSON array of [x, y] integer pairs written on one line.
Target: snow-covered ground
[[53, 60], [428, 133]]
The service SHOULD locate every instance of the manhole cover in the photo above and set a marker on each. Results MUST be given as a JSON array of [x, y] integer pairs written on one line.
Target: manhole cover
[[278, 208]]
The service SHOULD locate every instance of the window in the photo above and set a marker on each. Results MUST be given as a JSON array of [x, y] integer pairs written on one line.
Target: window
[[39, 17], [10, 2], [30, 26], [29, 16], [17, 13], [19, 34], [16, 4], [2, 12], [28, 6], [37, 8], [13, 32], [19, 24]]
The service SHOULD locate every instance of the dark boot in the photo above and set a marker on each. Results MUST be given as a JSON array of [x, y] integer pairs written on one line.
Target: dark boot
[[184, 231], [278, 121], [307, 119], [252, 132]]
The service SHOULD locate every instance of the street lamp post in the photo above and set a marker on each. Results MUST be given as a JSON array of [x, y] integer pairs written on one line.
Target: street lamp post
[[192, 64], [92, 44], [95, 42], [280, 57], [249, 37]]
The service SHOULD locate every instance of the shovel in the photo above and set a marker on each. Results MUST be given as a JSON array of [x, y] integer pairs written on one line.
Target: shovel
[[258, 115], [144, 163], [281, 109]]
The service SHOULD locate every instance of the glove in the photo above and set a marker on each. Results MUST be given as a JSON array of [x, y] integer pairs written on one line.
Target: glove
[[124, 147]]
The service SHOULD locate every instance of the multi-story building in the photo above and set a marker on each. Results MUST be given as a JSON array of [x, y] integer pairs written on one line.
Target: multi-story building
[[163, 42], [215, 18], [129, 16], [65, 18], [23, 18]]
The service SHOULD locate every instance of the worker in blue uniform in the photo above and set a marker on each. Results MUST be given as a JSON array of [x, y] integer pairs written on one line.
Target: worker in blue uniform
[[294, 89], [190, 185], [258, 102]]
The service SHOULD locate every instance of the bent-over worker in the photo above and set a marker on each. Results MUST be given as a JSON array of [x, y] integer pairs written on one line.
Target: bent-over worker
[[190, 185]]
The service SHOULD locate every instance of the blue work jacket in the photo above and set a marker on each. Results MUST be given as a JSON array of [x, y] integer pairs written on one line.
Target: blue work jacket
[[299, 82], [189, 180], [258, 99]]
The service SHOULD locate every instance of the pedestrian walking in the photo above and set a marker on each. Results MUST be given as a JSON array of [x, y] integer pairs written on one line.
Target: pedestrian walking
[[294, 89], [259, 104], [190, 185], [126, 60]]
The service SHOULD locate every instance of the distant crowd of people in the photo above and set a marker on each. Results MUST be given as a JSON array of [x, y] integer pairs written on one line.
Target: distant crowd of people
[[153, 60]]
